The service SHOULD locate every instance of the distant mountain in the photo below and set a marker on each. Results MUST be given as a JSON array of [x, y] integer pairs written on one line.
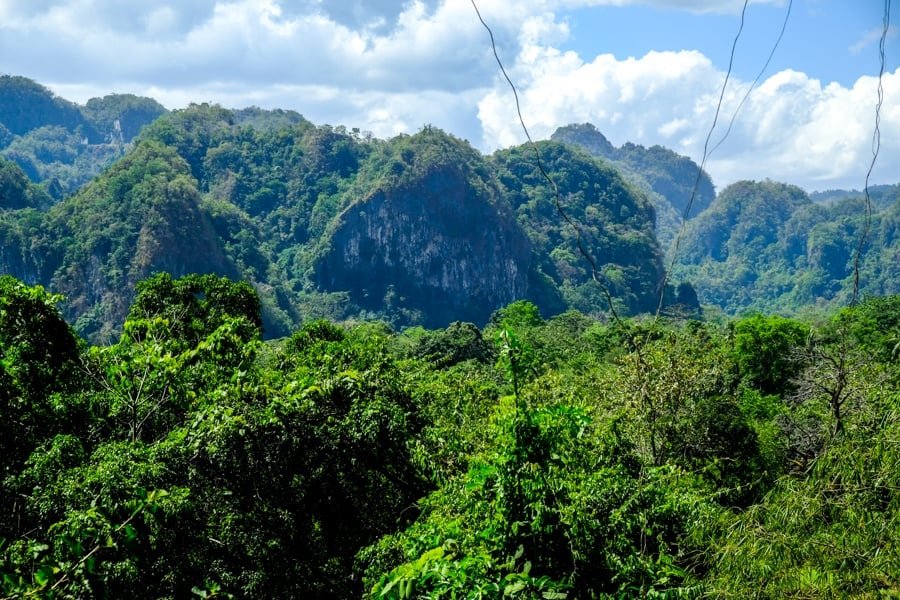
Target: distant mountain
[[21, 203], [614, 220], [881, 196], [26, 105], [668, 178], [120, 117], [420, 229], [768, 246], [62, 145], [17, 191], [759, 245]]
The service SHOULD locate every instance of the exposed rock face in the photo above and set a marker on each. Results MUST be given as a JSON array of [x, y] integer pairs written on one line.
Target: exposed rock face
[[434, 244], [17, 260]]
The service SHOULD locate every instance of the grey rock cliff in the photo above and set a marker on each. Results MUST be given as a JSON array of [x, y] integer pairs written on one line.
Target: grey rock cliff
[[434, 244]]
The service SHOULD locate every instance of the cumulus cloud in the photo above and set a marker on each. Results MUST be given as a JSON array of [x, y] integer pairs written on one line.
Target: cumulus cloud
[[792, 127], [397, 63], [409, 46], [378, 16]]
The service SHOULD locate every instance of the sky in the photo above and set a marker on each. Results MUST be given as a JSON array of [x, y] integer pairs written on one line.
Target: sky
[[644, 71]]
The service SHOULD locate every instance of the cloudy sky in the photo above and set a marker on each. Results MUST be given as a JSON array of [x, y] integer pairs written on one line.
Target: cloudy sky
[[646, 71]]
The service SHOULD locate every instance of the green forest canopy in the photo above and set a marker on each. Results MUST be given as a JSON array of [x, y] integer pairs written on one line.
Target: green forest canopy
[[536, 458]]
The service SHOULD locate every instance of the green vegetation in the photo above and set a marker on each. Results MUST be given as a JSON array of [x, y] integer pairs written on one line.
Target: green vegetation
[[671, 181], [59, 159], [248, 403], [418, 230], [559, 457], [322, 221], [16, 191], [614, 222], [26, 105], [766, 246], [120, 117], [61, 145]]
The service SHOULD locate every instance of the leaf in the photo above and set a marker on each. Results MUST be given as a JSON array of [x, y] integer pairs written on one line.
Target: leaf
[[42, 576], [36, 549], [519, 552], [156, 495], [390, 586], [130, 533], [514, 588]]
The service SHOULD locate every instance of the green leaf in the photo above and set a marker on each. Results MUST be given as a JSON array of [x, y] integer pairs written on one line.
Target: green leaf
[[130, 533], [390, 586], [42, 576], [514, 588]]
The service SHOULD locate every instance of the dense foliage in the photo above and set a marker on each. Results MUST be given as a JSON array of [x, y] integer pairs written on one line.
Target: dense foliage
[[16, 191], [766, 245], [420, 229], [529, 444], [613, 222], [120, 117], [26, 105], [674, 183], [536, 458], [62, 145], [322, 221]]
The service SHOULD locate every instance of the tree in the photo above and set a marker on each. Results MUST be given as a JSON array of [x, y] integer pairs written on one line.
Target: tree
[[765, 351], [834, 373], [457, 343], [181, 338], [39, 359], [518, 314], [193, 306], [874, 326], [37, 345]]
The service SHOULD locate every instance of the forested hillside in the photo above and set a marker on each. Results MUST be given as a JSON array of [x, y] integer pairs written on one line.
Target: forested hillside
[[671, 181], [244, 355], [768, 246], [325, 222], [62, 145], [534, 458], [414, 230]]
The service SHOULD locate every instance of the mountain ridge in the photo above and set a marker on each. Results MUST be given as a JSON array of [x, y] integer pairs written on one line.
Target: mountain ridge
[[416, 229], [269, 197]]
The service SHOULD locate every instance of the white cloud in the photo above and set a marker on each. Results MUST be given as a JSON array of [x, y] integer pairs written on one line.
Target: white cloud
[[628, 99], [261, 41], [696, 6], [796, 129], [792, 128], [871, 37]]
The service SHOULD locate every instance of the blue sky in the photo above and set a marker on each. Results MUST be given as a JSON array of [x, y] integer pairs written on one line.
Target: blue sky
[[831, 40], [645, 71]]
